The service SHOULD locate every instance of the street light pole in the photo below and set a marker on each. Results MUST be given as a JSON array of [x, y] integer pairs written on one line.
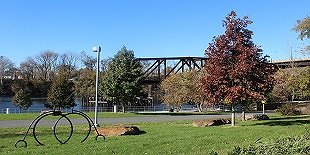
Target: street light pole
[[98, 50]]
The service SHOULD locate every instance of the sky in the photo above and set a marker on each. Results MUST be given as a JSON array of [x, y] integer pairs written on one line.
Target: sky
[[151, 28]]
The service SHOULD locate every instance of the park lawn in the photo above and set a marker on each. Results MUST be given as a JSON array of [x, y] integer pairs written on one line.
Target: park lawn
[[31, 116], [178, 137]]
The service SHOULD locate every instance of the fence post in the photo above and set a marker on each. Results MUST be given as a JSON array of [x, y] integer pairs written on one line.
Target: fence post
[[263, 108], [115, 108]]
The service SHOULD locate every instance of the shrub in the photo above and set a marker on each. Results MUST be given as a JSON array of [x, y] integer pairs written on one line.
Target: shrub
[[289, 109], [298, 145]]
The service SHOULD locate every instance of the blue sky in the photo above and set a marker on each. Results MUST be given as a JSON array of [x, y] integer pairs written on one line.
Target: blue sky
[[152, 28]]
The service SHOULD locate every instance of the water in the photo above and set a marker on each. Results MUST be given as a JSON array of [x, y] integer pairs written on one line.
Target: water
[[37, 103]]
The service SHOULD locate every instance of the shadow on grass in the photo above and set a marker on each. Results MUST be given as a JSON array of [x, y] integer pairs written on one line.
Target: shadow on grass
[[140, 133], [183, 113], [290, 117], [286, 121], [10, 135]]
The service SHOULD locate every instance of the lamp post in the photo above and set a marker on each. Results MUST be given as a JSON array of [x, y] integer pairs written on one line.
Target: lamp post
[[98, 50]]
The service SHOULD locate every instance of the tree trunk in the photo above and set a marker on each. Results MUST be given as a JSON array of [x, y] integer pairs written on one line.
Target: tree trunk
[[233, 116], [243, 115], [200, 107], [123, 108], [263, 108]]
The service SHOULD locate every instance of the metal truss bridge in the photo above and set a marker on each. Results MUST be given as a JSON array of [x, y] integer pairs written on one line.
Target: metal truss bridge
[[157, 69]]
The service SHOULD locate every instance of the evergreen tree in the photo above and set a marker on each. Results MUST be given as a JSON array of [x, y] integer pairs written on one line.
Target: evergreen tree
[[61, 94], [122, 78], [22, 99]]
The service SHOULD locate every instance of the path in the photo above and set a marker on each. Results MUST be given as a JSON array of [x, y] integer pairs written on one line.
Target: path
[[125, 120]]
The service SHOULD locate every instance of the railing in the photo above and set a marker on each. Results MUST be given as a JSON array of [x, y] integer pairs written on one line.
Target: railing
[[18, 110], [101, 109], [157, 108]]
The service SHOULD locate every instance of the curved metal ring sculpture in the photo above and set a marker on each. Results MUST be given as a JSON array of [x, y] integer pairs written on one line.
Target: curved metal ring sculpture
[[35, 122]]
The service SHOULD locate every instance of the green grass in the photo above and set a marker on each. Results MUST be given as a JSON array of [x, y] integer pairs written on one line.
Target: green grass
[[162, 138], [31, 116]]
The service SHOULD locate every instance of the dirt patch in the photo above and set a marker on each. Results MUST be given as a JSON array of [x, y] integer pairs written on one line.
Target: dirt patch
[[119, 130]]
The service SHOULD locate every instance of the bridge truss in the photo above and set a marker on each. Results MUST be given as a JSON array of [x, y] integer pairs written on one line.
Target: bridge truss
[[157, 69]]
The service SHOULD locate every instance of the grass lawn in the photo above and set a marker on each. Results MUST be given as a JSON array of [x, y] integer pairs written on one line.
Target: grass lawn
[[31, 116], [178, 137]]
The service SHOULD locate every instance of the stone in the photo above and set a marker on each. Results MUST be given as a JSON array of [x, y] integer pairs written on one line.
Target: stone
[[213, 122], [119, 130], [259, 117], [304, 109]]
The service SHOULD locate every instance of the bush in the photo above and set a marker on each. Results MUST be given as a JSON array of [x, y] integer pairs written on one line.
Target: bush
[[299, 145], [289, 109]]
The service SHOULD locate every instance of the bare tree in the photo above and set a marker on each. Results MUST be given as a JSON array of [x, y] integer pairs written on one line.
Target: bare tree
[[67, 63], [28, 69], [88, 61], [104, 64], [5, 65], [45, 64]]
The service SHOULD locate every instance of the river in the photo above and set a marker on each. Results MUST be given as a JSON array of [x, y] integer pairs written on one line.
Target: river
[[37, 103]]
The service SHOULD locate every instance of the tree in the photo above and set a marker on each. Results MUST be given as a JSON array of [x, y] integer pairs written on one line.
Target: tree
[[86, 83], [104, 64], [6, 68], [5, 64], [183, 88], [45, 64], [88, 61], [67, 63], [28, 69], [122, 79], [292, 84], [61, 94], [303, 28], [22, 99], [304, 84], [235, 72], [280, 91]]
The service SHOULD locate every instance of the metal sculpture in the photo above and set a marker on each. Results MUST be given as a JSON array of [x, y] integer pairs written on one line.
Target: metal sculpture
[[62, 115]]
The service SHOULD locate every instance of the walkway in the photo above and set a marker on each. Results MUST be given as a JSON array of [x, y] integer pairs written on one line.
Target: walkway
[[125, 120]]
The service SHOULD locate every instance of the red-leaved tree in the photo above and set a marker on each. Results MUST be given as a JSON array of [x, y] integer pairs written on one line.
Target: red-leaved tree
[[235, 72]]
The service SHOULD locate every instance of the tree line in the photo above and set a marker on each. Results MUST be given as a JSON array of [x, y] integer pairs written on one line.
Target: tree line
[[236, 72], [37, 73], [57, 77]]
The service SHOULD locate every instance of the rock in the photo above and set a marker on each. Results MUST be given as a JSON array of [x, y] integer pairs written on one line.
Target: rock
[[119, 130], [304, 109], [214, 122], [260, 117]]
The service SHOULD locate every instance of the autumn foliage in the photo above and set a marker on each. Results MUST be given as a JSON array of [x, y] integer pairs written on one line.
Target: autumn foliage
[[235, 72], [182, 88]]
